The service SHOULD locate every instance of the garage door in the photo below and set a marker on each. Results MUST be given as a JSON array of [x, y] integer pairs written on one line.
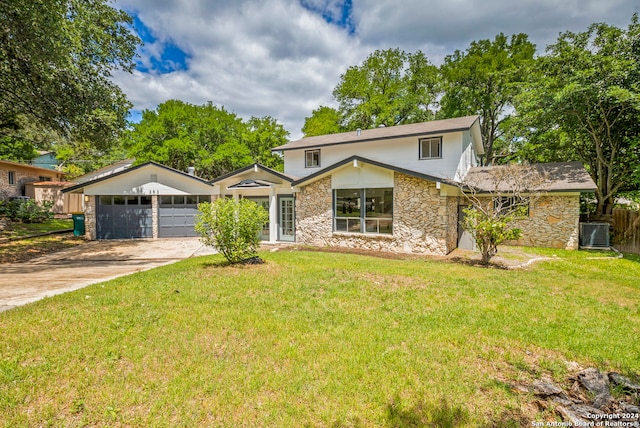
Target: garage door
[[176, 215], [124, 217]]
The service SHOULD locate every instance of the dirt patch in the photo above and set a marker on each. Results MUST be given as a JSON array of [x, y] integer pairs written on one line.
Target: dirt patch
[[507, 258], [27, 249]]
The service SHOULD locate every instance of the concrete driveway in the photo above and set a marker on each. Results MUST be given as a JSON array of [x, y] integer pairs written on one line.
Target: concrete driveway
[[89, 263]]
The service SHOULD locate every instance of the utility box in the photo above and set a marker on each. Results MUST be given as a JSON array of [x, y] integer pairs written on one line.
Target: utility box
[[78, 224], [594, 235]]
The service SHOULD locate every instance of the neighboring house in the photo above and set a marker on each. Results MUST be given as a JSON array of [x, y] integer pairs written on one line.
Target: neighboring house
[[14, 177], [391, 189], [45, 160]]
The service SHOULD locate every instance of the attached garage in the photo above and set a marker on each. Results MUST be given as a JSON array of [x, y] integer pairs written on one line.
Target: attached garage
[[144, 201], [176, 214], [124, 217]]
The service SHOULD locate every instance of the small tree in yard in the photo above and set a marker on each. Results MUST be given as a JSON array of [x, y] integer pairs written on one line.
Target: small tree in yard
[[498, 196], [231, 227]]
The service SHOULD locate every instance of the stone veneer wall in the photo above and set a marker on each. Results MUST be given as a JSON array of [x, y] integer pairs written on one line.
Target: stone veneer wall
[[552, 222], [90, 218], [423, 221]]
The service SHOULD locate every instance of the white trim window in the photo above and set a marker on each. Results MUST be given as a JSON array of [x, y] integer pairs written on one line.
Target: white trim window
[[430, 148], [312, 158]]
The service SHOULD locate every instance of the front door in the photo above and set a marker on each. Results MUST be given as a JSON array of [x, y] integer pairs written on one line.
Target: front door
[[287, 225]]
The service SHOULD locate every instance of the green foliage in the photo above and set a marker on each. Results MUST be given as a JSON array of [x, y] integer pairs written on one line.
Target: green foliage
[[56, 62], [26, 211], [483, 80], [323, 121], [211, 139], [391, 87], [231, 227], [490, 228], [585, 104]]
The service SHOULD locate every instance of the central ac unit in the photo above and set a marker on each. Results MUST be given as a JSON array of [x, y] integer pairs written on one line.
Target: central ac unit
[[594, 235]]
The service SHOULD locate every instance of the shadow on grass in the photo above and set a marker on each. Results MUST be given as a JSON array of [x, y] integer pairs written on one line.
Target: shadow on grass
[[442, 415], [226, 263]]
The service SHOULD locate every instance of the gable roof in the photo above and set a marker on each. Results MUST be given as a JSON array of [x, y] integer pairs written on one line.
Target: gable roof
[[384, 133], [254, 166], [8, 164], [128, 170], [348, 160], [561, 177]]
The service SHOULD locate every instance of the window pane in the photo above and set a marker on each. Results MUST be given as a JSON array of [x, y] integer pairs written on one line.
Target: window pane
[[204, 198], [347, 203], [178, 200], [105, 200], [371, 226], [145, 200], [312, 158], [192, 200], [385, 226], [435, 148], [132, 200], [353, 225], [379, 202], [165, 200], [341, 224], [118, 200]]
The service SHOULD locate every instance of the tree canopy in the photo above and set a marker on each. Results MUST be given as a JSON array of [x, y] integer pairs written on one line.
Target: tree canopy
[[585, 103], [483, 80], [211, 139], [391, 87], [56, 60]]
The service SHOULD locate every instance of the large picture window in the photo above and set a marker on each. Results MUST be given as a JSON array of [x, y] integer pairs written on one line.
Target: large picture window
[[431, 148], [363, 210]]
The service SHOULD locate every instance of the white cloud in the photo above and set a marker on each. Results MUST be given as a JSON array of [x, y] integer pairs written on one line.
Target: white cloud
[[278, 58]]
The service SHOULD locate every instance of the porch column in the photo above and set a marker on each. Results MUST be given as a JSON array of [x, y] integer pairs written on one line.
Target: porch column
[[273, 215], [155, 219]]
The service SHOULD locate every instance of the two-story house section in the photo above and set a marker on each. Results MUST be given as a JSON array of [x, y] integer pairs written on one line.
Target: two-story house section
[[441, 148], [389, 188]]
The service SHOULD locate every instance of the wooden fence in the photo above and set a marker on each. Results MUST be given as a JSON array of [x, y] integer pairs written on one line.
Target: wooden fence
[[626, 230]]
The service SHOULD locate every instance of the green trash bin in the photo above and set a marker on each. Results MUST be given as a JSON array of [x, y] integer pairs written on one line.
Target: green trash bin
[[78, 224]]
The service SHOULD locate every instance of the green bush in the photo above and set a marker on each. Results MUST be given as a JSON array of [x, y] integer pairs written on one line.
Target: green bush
[[26, 211], [231, 227]]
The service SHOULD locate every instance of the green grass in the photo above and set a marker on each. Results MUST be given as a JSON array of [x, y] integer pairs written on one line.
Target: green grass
[[16, 230], [316, 339]]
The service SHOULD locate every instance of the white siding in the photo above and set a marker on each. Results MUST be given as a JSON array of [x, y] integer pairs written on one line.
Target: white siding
[[139, 182], [400, 152]]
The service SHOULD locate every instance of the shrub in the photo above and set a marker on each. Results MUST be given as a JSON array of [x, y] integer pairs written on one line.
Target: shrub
[[27, 211], [231, 227]]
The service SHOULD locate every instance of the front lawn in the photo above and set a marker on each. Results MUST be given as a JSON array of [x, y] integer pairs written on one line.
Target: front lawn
[[18, 230], [317, 339]]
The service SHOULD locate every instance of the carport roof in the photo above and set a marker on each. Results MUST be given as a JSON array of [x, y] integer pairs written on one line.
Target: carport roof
[[128, 170]]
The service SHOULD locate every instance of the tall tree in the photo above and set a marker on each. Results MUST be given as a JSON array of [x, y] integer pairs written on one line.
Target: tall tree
[[483, 80], [585, 103], [56, 60], [391, 87], [323, 120], [215, 141]]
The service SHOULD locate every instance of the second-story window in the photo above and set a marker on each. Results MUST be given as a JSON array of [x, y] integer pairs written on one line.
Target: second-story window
[[431, 148], [312, 158]]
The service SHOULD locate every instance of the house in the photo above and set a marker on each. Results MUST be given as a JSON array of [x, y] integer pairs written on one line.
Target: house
[[15, 176], [390, 189], [45, 160]]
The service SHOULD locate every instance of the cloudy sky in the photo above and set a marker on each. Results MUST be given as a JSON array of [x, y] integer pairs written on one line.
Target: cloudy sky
[[282, 58]]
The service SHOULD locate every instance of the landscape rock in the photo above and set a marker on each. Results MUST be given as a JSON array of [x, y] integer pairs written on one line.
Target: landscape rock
[[545, 389], [594, 381], [624, 382]]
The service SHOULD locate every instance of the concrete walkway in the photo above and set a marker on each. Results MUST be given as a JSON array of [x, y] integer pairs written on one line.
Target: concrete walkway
[[95, 261]]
